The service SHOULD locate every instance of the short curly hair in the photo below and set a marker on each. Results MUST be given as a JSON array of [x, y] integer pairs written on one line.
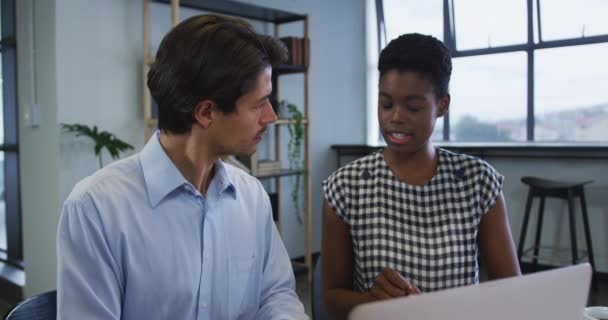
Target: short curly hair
[[210, 57], [419, 53]]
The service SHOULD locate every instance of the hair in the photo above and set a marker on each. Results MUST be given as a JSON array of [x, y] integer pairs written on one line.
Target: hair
[[419, 53], [207, 57]]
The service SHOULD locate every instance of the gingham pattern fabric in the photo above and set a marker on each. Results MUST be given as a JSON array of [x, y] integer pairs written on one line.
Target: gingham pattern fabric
[[428, 233]]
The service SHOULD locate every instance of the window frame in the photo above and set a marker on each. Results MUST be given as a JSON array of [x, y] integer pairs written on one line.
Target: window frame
[[449, 39], [10, 146]]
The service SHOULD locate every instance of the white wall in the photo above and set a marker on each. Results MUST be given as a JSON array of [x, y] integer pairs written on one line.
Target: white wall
[[98, 79], [38, 147]]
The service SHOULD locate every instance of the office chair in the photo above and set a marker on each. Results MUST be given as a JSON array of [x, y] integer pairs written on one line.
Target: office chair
[[318, 309], [40, 307]]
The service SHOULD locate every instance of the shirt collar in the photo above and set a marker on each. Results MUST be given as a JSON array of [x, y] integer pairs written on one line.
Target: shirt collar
[[222, 180], [162, 176]]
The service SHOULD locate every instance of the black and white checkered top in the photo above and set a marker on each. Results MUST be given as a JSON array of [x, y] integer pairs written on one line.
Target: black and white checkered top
[[428, 233]]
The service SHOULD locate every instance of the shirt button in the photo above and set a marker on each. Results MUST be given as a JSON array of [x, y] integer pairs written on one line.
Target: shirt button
[[203, 305]]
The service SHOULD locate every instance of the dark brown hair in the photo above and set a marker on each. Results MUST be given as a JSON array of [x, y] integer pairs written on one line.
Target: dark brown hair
[[207, 57]]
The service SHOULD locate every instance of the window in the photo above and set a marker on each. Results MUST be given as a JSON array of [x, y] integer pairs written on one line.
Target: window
[[563, 19], [523, 70], [488, 24], [571, 101], [480, 108], [10, 216], [401, 18]]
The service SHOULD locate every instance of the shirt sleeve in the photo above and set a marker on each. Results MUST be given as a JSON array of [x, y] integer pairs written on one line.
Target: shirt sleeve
[[88, 281], [335, 191], [490, 187], [278, 297]]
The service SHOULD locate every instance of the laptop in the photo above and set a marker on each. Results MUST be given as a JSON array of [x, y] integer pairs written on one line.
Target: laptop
[[558, 294]]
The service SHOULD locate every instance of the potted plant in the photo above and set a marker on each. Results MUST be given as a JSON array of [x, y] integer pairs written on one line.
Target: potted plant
[[294, 149], [102, 140]]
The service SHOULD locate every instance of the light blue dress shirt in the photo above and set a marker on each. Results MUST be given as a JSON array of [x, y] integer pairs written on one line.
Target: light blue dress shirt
[[137, 241]]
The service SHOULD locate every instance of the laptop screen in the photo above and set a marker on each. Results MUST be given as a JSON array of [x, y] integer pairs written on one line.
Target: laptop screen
[[558, 294]]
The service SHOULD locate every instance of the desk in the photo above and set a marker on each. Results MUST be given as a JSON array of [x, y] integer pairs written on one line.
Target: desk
[[484, 150], [355, 150]]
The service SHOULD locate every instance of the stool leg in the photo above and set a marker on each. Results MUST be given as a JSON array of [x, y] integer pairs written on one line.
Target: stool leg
[[524, 227], [539, 228], [588, 236], [572, 226]]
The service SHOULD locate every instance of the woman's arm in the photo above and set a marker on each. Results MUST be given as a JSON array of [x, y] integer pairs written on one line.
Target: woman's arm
[[337, 271], [337, 268], [496, 242]]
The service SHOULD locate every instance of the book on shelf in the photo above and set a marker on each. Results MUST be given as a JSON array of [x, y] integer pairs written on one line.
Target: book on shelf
[[265, 172], [266, 167], [306, 52], [253, 166], [269, 164], [298, 50], [233, 160], [289, 43], [248, 163]]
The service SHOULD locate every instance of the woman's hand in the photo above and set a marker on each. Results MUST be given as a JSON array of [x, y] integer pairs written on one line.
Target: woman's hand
[[390, 284]]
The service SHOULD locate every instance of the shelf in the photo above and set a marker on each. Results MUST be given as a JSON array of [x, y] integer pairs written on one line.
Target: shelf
[[151, 123], [288, 121], [289, 69], [499, 149], [241, 9], [299, 267], [154, 122], [282, 173]]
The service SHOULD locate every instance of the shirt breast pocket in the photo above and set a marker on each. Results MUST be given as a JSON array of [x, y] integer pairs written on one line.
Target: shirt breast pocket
[[243, 293]]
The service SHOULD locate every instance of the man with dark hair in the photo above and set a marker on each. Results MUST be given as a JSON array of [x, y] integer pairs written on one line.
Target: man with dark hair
[[173, 232]]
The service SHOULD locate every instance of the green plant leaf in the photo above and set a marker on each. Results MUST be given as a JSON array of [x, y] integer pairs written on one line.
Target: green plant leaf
[[294, 151], [102, 139]]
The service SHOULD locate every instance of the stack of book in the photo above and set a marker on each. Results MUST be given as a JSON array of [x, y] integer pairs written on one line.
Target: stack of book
[[266, 167], [299, 50], [238, 162]]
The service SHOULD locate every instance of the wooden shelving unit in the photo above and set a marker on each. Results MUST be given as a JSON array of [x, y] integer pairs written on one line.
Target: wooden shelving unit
[[276, 18]]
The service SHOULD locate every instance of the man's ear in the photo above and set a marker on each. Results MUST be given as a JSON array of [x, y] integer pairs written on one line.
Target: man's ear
[[443, 105], [204, 113]]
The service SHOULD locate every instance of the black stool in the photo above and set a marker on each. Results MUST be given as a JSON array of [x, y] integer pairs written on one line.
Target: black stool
[[544, 188]]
